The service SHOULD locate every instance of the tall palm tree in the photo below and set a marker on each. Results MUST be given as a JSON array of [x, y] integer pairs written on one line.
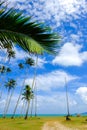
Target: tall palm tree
[[29, 62], [9, 85], [31, 36], [33, 84], [67, 101], [21, 66], [11, 54], [27, 95], [4, 71]]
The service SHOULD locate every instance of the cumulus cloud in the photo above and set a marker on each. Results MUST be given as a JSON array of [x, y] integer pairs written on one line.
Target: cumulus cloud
[[54, 79], [70, 55], [82, 92]]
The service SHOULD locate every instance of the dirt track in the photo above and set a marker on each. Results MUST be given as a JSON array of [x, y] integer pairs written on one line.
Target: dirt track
[[56, 126]]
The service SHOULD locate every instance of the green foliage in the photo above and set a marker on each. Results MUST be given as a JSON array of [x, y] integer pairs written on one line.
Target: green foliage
[[28, 93], [21, 66], [10, 84], [2, 69], [30, 62], [31, 36]]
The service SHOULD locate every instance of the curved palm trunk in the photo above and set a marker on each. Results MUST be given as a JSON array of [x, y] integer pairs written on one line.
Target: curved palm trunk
[[35, 100], [3, 78], [1, 87], [23, 108], [4, 114], [26, 115], [19, 98], [9, 101], [32, 101]]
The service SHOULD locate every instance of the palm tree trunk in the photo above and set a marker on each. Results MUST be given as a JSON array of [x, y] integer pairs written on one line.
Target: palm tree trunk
[[33, 84], [4, 114], [18, 100], [9, 101], [19, 97], [26, 115], [2, 79], [22, 108], [35, 100]]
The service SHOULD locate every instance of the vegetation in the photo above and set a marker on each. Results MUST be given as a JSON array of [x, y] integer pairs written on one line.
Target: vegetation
[[27, 96], [33, 38], [37, 123]]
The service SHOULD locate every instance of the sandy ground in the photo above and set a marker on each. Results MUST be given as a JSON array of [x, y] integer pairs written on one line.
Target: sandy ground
[[56, 126]]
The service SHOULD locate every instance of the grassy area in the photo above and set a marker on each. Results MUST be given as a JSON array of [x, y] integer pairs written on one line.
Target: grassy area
[[75, 122], [37, 123]]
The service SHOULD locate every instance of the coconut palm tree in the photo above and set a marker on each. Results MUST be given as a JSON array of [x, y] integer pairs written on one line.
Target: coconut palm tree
[[33, 84], [21, 66], [11, 54], [9, 85], [27, 95], [4, 71], [29, 62], [30, 36]]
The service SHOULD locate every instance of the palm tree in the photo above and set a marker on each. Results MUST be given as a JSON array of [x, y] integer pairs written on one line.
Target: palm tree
[[2, 72], [29, 62], [21, 66], [67, 101], [9, 85], [2, 69], [27, 95], [30, 36], [11, 54], [8, 70], [33, 84]]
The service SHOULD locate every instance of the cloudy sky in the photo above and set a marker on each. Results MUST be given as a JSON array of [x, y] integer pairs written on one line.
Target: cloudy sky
[[69, 19]]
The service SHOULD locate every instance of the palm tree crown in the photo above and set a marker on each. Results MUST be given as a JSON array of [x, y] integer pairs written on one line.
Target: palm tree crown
[[10, 84], [30, 62], [28, 93]]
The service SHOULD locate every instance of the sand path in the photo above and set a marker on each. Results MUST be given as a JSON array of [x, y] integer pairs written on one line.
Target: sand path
[[56, 126]]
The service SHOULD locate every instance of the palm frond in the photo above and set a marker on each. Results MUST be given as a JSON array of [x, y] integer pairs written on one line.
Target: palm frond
[[31, 36]]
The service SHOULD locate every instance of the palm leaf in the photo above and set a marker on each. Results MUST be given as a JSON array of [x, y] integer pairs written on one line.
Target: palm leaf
[[31, 36]]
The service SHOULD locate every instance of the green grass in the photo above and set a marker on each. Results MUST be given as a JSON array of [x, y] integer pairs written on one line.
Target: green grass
[[76, 122], [37, 123]]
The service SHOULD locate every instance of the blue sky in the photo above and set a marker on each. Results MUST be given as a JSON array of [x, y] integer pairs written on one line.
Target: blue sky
[[68, 19]]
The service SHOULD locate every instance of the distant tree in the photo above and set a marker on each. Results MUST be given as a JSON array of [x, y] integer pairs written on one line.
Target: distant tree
[[21, 66], [4, 70], [27, 96], [10, 85]]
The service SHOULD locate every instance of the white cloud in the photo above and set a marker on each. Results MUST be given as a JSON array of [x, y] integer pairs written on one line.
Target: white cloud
[[47, 103], [53, 10], [54, 79], [82, 92], [70, 55]]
